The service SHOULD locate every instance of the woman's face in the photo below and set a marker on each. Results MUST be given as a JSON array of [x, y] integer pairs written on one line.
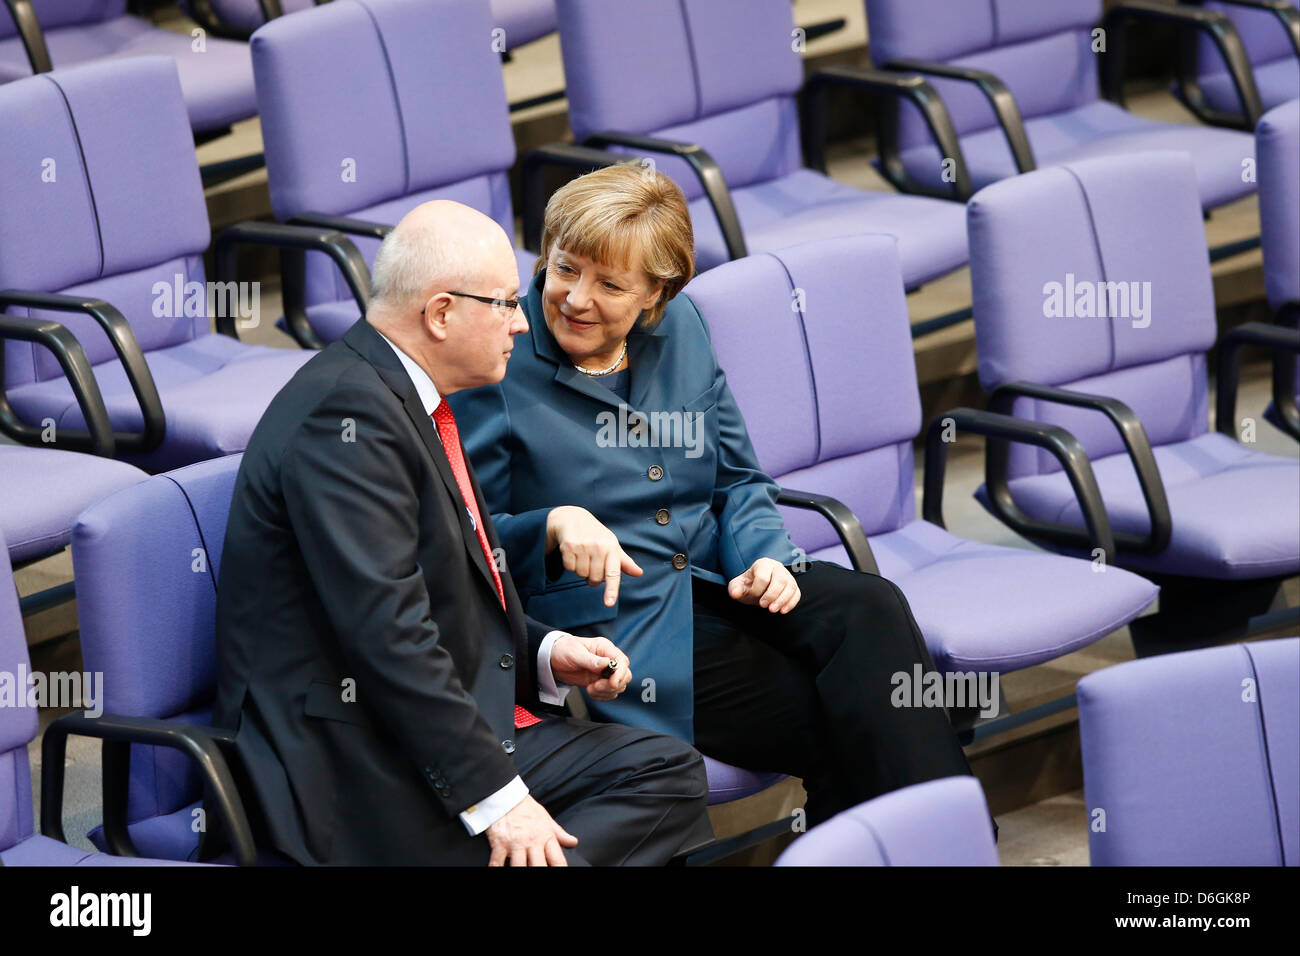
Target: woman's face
[[590, 308]]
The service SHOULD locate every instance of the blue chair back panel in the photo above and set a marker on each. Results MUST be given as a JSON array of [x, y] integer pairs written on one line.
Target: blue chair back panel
[[1261, 33], [1278, 139], [62, 13]]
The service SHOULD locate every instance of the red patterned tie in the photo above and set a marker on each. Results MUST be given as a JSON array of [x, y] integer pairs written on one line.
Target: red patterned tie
[[446, 422]]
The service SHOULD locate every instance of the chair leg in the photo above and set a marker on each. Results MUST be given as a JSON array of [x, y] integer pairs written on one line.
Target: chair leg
[[1196, 613]]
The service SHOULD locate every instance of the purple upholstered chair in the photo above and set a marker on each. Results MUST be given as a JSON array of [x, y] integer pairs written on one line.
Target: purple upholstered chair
[[1093, 312], [1270, 32], [524, 20], [436, 127], [815, 343], [216, 80], [1190, 759], [107, 239], [707, 89], [18, 844], [1277, 142], [239, 18], [937, 823], [1021, 82]]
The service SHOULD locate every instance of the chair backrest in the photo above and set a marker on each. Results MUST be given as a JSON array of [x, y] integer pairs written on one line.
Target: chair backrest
[[817, 351], [146, 561], [1190, 759], [52, 14], [1095, 276], [523, 20], [87, 211], [366, 102], [18, 722], [1041, 50], [719, 73], [938, 823], [1277, 146], [1261, 32]]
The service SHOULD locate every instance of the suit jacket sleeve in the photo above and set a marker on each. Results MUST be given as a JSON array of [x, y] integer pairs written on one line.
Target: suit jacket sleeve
[[744, 497], [354, 507]]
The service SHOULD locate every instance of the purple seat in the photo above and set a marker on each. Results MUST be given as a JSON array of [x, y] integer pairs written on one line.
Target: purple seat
[[216, 80], [937, 823], [727, 783], [18, 844], [436, 127], [1274, 58], [725, 74], [1042, 53], [1190, 759], [1222, 509], [803, 380], [128, 227], [1277, 142]]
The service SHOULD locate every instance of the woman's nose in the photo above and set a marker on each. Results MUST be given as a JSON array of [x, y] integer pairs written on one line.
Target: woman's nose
[[579, 296]]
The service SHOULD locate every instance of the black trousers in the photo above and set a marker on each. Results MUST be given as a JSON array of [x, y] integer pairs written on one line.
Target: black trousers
[[632, 797], [808, 693]]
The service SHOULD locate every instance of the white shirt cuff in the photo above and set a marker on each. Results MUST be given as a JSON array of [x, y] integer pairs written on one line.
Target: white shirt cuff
[[488, 811], [548, 691]]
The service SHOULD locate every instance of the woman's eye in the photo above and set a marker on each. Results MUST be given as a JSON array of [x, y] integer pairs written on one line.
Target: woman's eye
[[612, 288], [561, 267]]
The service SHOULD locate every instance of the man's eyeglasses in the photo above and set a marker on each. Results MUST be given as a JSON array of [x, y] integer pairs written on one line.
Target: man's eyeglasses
[[504, 306]]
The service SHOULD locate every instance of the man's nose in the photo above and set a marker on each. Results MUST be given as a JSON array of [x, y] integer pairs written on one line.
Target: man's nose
[[519, 323]]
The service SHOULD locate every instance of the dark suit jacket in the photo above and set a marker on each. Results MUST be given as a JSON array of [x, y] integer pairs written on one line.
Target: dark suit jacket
[[686, 486], [363, 654]]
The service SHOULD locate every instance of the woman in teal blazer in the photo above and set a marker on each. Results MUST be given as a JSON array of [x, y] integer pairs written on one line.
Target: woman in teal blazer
[[614, 454]]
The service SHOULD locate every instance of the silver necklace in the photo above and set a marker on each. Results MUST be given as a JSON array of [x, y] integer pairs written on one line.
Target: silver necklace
[[604, 371]]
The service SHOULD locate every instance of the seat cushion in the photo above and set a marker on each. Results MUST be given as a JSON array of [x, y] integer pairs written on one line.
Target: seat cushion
[[167, 837], [1233, 509], [42, 851], [1277, 82], [45, 490], [727, 783], [217, 81], [214, 390], [1101, 129], [806, 205], [984, 607]]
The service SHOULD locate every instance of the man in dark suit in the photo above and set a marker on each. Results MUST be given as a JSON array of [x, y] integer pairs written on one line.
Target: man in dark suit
[[373, 656]]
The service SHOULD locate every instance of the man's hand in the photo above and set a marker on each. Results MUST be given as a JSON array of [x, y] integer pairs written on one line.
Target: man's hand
[[767, 583], [527, 836], [588, 549], [581, 662]]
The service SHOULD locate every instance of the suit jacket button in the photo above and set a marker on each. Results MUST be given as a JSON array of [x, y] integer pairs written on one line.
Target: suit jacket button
[[679, 561], [507, 662], [662, 516], [656, 472], [508, 746]]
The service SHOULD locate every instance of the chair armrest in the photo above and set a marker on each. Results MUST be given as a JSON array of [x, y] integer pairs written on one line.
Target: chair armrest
[[76, 367], [200, 744], [564, 155], [202, 13], [128, 351], [1276, 339], [1135, 441], [896, 88], [33, 37], [346, 224], [706, 171], [845, 522], [1189, 20], [995, 91], [1064, 446], [294, 242], [1288, 16]]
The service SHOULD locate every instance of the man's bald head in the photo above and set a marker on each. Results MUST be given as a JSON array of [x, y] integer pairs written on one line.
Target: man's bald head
[[438, 246]]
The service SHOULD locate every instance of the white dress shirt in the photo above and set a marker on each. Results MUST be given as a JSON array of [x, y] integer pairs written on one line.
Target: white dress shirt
[[490, 809]]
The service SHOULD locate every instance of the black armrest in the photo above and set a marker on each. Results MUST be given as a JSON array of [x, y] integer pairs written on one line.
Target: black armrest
[[33, 37], [895, 88], [1135, 442], [1190, 20], [995, 91], [1287, 15], [128, 351], [72, 358], [201, 744], [1276, 338], [706, 171], [202, 12], [565, 155], [1064, 446], [294, 242], [345, 224], [845, 522]]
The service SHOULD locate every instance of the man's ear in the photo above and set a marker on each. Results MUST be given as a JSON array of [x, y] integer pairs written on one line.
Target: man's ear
[[435, 317]]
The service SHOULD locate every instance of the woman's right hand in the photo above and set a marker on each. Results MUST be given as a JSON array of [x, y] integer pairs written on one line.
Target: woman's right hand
[[589, 549]]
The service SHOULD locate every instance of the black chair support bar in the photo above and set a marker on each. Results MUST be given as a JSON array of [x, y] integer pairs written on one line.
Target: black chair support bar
[[1275, 338], [33, 37], [1287, 15], [845, 522]]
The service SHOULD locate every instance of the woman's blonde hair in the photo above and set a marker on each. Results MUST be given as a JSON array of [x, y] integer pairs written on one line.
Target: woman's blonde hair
[[625, 217]]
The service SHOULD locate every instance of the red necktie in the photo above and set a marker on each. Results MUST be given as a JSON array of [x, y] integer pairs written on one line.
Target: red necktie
[[446, 422]]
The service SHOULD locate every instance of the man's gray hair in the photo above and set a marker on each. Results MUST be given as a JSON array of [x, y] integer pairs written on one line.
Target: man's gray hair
[[411, 264]]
